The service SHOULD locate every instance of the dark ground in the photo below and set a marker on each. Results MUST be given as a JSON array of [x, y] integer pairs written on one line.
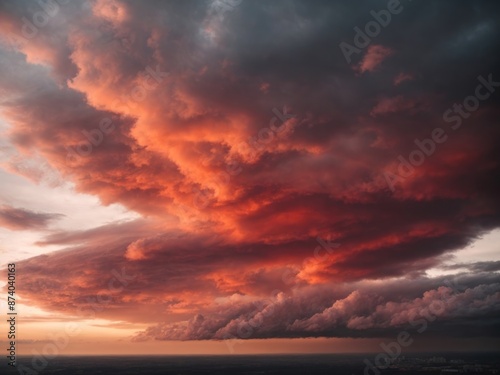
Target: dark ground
[[335, 364]]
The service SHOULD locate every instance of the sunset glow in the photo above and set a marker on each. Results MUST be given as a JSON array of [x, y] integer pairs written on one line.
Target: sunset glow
[[244, 177]]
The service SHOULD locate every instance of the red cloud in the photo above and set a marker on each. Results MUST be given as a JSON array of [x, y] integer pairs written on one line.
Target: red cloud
[[236, 189], [374, 56], [403, 77]]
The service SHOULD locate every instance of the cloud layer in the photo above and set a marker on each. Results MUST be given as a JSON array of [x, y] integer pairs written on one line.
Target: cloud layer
[[242, 136], [20, 219]]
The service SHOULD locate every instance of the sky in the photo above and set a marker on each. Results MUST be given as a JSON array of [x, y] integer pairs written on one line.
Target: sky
[[240, 177]]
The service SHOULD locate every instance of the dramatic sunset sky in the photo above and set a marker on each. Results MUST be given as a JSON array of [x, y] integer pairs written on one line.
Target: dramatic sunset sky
[[177, 173]]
